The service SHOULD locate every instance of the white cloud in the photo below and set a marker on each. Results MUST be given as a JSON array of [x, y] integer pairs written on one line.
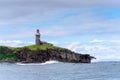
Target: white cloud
[[103, 50], [73, 45], [96, 41], [99, 30], [87, 23], [14, 43], [17, 11]]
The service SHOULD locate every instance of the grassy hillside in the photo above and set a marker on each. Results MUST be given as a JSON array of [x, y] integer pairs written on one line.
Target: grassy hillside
[[42, 47], [8, 53], [41, 53]]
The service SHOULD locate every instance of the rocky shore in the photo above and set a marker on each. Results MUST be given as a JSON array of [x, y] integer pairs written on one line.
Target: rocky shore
[[29, 56], [39, 55]]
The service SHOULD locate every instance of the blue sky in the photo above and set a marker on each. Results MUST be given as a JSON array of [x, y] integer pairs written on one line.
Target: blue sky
[[83, 26]]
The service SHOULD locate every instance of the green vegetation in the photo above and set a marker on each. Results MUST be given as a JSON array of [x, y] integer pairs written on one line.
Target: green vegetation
[[8, 57], [8, 53], [41, 47], [32, 47]]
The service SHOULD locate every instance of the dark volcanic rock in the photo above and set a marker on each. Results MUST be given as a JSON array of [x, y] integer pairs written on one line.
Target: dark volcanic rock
[[64, 55], [38, 56]]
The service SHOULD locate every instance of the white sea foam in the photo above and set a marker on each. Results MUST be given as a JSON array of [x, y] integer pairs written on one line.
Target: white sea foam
[[45, 63], [49, 62]]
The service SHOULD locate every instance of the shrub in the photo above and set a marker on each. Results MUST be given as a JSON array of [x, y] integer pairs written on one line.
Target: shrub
[[9, 56]]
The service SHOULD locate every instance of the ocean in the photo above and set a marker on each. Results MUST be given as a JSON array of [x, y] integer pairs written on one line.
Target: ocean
[[53, 70]]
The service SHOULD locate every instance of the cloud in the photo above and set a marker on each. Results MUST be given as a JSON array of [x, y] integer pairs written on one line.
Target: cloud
[[57, 19], [98, 29], [17, 33], [103, 50], [96, 41], [27, 11], [14, 43]]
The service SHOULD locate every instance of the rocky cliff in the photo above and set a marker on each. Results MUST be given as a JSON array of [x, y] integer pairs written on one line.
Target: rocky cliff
[[42, 53]]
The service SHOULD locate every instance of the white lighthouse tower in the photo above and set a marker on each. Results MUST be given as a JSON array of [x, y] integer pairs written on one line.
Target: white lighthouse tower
[[37, 41]]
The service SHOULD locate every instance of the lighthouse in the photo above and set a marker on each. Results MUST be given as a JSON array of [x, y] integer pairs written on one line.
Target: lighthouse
[[37, 41]]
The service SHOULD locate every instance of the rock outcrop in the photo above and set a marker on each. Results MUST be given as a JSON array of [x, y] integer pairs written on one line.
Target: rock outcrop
[[28, 56], [42, 53]]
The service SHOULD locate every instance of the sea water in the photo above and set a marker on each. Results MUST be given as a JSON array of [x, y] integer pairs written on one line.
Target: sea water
[[53, 70]]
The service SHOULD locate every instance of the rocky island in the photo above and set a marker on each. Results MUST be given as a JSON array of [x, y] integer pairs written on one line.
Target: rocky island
[[41, 52]]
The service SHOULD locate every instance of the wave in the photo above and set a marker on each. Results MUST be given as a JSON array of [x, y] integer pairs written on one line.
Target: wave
[[45, 63], [49, 62]]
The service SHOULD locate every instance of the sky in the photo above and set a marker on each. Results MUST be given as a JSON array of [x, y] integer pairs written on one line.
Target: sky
[[84, 26]]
